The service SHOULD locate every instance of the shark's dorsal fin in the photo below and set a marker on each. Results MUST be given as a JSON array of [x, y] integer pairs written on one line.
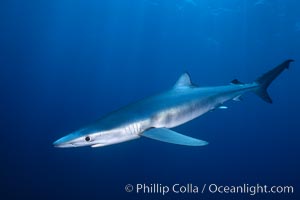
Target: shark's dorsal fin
[[184, 81]]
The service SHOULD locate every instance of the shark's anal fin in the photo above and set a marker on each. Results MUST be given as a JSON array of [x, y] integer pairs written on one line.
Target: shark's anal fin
[[167, 135], [237, 98]]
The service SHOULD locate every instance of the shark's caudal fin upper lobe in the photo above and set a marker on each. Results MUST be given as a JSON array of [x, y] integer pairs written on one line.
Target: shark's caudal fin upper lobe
[[266, 79]]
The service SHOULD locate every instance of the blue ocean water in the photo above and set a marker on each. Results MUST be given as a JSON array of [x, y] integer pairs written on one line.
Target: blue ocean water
[[63, 64]]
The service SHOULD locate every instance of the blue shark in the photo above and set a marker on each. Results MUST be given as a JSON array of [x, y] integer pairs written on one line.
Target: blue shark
[[153, 117]]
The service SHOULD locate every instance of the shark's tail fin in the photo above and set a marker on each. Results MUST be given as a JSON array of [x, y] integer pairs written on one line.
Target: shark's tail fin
[[266, 79]]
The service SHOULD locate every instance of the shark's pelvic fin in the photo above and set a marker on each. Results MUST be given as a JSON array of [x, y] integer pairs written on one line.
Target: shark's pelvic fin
[[266, 79], [223, 107], [167, 135], [184, 81]]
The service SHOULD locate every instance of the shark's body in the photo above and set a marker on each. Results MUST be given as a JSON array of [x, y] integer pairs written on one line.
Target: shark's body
[[153, 116]]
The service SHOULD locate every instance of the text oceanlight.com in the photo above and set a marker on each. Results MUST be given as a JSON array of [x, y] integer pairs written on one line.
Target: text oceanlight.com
[[189, 188]]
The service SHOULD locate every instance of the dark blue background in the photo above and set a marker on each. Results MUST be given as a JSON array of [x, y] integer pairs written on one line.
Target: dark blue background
[[63, 64]]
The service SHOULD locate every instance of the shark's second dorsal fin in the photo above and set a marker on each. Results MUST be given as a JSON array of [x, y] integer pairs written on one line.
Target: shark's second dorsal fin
[[236, 82], [184, 81]]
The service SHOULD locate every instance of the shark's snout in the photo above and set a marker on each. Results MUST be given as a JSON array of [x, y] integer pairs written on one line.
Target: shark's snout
[[64, 142], [62, 145], [75, 139]]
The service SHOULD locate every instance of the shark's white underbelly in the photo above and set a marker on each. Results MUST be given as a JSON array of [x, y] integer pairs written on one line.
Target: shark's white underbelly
[[180, 114], [171, 114]]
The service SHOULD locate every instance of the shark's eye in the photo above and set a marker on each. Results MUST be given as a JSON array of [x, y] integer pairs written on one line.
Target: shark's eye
[[87, 138]]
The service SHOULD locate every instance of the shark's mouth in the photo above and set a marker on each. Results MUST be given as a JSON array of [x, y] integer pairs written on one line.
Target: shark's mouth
[[98, 145]]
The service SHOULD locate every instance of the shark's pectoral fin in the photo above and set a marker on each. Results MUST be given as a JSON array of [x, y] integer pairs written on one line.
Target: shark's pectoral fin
[[167, 135]]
